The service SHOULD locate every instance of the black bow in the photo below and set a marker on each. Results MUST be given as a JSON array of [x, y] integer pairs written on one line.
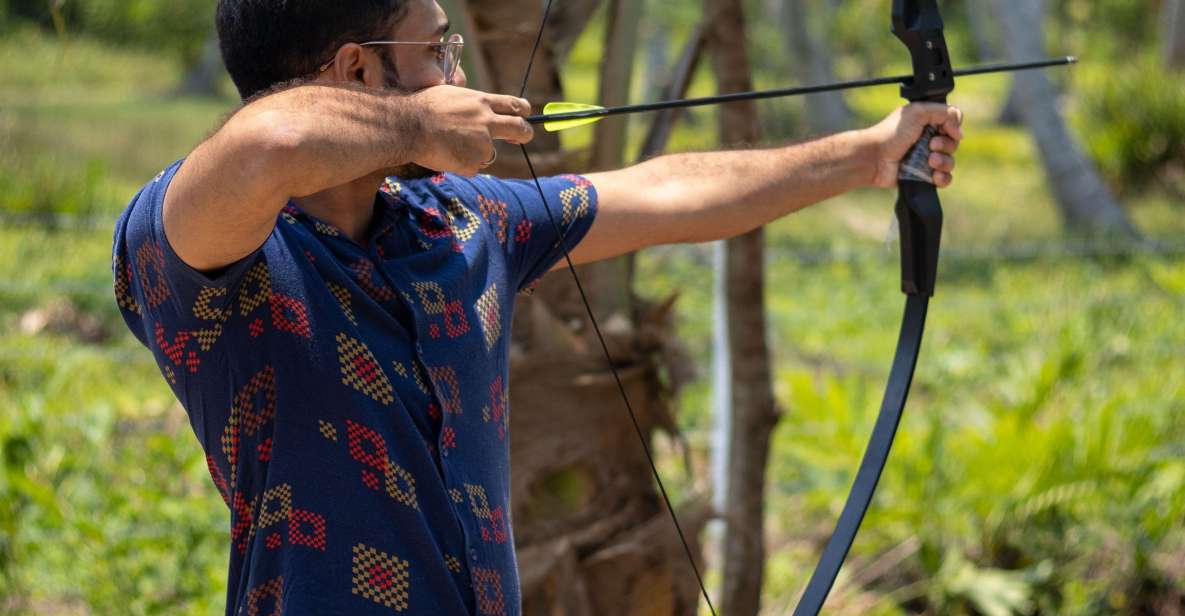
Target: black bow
[[919, 214]]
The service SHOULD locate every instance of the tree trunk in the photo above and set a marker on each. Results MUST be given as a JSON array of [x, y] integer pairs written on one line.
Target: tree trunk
[[753, 412], [203, 77], [676, 86], [473, 60], [657, 64], [1086, 205], [1012, 111], [617, 73], [1174, 33], [568, 19], [592, 534], [612, 297], [827, 112], [987, 49], [986, 39], [507, 31]]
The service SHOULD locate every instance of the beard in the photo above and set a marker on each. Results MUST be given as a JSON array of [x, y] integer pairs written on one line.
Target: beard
[[409, 171]]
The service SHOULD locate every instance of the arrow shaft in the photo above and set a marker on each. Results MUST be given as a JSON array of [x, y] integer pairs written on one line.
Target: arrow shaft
[[787, 92]]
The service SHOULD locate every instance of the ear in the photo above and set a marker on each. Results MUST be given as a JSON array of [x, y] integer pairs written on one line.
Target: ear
[[353, 64]]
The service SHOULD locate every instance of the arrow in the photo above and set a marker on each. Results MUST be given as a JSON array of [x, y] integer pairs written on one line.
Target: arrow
[[560, 116]]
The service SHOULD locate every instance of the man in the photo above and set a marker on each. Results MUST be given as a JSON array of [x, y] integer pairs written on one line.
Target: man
[[335, 319]]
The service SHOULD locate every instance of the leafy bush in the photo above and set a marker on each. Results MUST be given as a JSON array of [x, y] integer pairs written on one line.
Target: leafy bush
[[42, 190], [180, 26], [1134, 121], [177, 27]]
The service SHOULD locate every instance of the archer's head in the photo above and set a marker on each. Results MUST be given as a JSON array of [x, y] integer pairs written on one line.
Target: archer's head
[[267, 43]]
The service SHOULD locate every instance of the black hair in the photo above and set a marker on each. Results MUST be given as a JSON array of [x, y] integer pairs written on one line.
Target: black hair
[[270, 42]]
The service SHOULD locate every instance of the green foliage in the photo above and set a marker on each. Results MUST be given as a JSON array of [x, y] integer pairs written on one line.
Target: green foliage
[[177, 27], [1136, 121], [105, 501], [84, 520], [45, 192], [41, 69], [1039, 467], [1075, 24]]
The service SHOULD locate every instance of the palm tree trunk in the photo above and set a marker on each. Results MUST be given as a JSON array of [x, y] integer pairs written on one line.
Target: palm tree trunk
[[1174, 33], [828, 112], [753, 411], [201, 79], [1086, 205], [591, 532]]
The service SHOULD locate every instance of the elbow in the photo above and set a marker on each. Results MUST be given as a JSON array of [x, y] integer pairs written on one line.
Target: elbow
[[269, 147], [274, 137]]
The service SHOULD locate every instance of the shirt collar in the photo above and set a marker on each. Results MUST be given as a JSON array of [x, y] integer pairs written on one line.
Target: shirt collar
[[389, 209]]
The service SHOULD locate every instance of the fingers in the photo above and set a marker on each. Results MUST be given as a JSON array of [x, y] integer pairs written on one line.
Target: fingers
[[463, 125], [948, 119], [942, 167], [953, 125], [941, 162], [943, 147], [511, 129], [509, 105], [508, 123]]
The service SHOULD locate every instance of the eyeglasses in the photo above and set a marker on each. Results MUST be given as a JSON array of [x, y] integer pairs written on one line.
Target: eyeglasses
[[448, 53]]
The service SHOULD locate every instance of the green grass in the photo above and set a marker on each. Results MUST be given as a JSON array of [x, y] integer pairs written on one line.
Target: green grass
[[1039, 463], [1048, 405]]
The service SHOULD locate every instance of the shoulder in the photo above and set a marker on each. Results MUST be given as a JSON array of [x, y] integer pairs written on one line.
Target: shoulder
[[145, 207]]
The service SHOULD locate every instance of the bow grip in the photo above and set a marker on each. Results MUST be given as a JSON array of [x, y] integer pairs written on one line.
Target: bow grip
[[919, 216]]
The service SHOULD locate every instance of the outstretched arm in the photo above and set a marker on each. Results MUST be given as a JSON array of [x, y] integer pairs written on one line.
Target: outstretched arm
[[223, 201], [716, 195]]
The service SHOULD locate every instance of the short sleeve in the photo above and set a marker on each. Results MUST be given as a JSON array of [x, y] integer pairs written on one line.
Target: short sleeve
[[164, 301], [525, 225]]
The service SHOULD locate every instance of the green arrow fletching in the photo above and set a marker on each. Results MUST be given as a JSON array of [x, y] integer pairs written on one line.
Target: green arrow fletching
[[558, 108]]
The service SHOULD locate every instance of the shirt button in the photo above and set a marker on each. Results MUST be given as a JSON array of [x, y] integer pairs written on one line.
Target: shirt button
[[473, 554]]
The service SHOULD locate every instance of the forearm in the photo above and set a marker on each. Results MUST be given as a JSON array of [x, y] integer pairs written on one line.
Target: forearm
[[314, 137], [224, 200], [711, 196], [716, 195]]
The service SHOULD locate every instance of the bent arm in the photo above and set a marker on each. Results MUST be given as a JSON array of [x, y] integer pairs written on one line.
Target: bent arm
[[701, 197], [223, 201]]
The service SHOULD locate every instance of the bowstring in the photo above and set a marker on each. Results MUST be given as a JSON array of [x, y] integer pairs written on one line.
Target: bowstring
[[563, 244]]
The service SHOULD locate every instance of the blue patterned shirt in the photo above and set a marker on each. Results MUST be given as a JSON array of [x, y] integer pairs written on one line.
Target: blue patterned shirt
[[352, 400]]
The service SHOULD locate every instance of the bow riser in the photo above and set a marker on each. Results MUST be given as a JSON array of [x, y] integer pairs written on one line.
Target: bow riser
[[919, 218], [919, 212], [919, 26]]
